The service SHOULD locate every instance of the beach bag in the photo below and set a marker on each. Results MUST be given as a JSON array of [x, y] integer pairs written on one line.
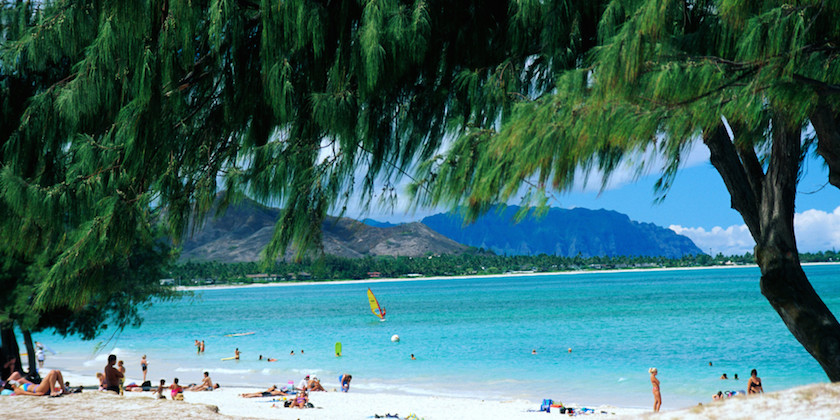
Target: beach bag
[[310, 405], [287, 403]]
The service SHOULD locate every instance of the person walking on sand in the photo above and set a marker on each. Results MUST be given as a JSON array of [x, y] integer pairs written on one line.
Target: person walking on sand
[[754, 383], [144, 366], [39, 354], [112, 375], [657, 396]]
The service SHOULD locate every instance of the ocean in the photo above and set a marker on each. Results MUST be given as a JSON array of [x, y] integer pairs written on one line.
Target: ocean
[[474, 337]]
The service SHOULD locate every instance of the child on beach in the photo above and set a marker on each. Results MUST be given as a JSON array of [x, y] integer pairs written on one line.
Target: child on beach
[[159, 391], [121, 368]]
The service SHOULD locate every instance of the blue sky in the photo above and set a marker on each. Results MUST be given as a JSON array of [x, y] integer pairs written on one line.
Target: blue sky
[[698, 206]]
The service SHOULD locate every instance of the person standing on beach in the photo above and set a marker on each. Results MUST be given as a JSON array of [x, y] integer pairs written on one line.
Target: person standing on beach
[[754, 383], [112, 375], [121, 368], [144, 366], [657, 396]]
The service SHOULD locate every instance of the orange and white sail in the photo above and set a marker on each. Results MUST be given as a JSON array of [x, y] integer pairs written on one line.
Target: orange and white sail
[[374, 306]]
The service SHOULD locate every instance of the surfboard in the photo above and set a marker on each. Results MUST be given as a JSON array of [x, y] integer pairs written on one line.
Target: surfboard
[[229, 358], [338, 348], [240, 334]]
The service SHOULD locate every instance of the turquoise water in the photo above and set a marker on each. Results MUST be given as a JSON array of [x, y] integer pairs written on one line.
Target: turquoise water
[[474, 336]]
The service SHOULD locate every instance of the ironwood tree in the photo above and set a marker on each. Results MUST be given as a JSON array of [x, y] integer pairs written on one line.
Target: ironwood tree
[[755, 82], [115, 110]]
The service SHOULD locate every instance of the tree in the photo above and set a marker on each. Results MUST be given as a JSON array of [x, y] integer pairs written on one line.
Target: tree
[[745, 78], [113, 108]]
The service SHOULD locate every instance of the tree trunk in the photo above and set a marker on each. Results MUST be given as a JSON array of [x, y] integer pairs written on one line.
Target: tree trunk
[[786, 287], [766, 203], [9, 352], [33, 374]]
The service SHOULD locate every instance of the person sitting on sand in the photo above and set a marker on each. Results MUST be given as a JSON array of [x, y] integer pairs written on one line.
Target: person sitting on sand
[[754, 383], [159, 391], [206, 384], [175, 388], [272, 391], [344, 380], [112, 375], [300, 400], [52, 381], [315, 384]]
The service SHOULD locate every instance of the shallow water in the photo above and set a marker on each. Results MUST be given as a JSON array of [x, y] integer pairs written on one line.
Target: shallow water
[[474, 336]]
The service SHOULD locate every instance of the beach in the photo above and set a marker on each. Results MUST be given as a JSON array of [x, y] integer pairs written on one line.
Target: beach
[[484, 347], [818, 401]]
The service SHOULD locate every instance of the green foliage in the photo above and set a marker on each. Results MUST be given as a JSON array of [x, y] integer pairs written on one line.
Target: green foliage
[[477, 262]]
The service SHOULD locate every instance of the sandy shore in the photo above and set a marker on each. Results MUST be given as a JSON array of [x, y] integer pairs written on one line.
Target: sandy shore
[[820, 401]]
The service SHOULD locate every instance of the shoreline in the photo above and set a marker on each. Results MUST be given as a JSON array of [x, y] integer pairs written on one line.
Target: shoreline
[[488, 276], [823, 402]]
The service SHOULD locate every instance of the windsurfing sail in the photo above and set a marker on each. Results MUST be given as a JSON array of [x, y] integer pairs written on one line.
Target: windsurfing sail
[[374, 306]]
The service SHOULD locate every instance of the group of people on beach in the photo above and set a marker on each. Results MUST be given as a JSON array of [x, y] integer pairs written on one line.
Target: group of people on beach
[[753, 387], [113, 379], [310, 383]]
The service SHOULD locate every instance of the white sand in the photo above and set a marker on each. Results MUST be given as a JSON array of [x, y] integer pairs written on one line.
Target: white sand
[[820, 401], [226, 402]]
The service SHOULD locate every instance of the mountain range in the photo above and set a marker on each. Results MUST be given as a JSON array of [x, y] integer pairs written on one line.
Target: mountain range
[[243, 230], [563, 232]]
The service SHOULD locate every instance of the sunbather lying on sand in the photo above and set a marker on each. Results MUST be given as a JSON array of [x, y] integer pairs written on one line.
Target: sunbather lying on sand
[[267, 393], [48, 385]]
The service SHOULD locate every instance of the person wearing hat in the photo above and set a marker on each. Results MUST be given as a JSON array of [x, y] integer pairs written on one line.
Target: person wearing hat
[[304, 383], [315, 384]]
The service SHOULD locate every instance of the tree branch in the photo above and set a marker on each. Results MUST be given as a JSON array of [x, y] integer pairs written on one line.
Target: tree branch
[[725, 159]]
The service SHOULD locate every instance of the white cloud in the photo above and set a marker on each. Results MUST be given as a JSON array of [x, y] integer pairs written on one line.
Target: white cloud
[[734, 240], [816, 230]]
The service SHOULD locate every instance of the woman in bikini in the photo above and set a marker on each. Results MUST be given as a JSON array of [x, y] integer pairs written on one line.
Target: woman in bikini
[[657, 397], [300, 400], [54, 380], [754, 384]]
